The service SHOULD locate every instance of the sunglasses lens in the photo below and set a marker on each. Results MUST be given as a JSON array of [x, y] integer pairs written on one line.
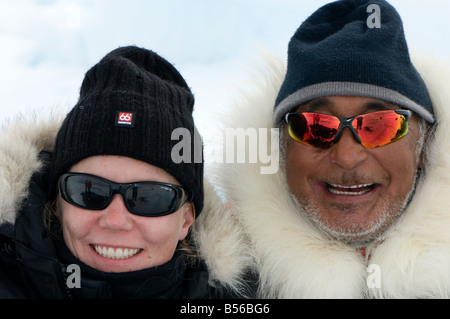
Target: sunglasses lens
[[313, 129], [87, 191], [149, 199], [380, 128], [142, 198]]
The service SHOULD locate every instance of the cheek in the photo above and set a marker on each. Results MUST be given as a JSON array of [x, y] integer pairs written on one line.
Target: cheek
[[295, 174], [402, 168], [301, 162], [160, 231], [401, 159], [76, 223]]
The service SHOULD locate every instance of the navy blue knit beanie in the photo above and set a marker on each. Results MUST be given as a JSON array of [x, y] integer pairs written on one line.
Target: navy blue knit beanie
[[130, 104], [336, 51]]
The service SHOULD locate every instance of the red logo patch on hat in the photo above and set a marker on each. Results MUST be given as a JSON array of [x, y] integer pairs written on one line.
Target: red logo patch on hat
[[124, 119]]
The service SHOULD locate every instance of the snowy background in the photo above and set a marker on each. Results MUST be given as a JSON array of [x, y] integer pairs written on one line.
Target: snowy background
[[48, 45]]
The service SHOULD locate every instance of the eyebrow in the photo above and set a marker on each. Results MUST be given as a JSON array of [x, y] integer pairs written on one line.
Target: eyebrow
[[316, 103], [378, 105]]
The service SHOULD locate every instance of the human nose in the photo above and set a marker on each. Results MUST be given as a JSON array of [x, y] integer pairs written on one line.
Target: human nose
[[348, 153], [116, 216]]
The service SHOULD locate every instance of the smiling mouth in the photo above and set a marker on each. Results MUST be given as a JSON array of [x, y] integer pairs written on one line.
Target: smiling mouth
[[116, 253], [352, 190]]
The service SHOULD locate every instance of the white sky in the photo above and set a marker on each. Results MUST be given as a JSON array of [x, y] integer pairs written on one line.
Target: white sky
[[48, 45]]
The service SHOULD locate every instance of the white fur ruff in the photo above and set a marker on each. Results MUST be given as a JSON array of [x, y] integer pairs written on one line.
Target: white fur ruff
[[294, 259]]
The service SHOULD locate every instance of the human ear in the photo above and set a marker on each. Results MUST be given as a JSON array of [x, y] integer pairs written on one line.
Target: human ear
[[188, 219]]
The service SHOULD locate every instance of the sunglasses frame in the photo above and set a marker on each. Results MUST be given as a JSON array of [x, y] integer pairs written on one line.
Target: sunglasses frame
[[347, 122], [121, 188]]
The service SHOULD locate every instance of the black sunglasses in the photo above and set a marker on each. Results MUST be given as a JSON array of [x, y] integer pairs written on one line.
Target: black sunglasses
[[149, 199]]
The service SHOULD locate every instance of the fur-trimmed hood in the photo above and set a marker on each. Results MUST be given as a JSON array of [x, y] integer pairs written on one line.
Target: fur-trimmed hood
[[264, 230], [21, 140]]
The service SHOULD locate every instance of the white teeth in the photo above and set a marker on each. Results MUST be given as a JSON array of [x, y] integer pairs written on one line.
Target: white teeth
[[118, 253], [350, 187], [340, 189], [336, 192]]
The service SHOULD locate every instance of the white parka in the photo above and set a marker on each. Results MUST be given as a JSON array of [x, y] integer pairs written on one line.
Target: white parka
[[265, 231]]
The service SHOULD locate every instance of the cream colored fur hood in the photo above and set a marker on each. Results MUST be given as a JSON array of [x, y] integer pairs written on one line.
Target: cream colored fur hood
[[264, 230], [21, 140]]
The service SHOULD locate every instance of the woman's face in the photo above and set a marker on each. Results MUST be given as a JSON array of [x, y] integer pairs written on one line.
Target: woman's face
[[113, 239]]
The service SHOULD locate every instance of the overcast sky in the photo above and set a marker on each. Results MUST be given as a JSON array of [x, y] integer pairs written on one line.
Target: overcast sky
[[48, 45]]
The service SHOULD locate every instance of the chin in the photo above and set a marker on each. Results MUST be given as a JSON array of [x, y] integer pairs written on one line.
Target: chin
[[354, 235]]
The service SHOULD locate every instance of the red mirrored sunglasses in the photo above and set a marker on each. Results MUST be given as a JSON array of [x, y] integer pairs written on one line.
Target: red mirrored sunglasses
[[371, 130]]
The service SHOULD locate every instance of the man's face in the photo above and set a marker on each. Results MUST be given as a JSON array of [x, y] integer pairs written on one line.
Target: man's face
[[348, 191]]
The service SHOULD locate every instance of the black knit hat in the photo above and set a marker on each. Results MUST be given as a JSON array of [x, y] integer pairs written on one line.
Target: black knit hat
[[336, 51], [130, 104]]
